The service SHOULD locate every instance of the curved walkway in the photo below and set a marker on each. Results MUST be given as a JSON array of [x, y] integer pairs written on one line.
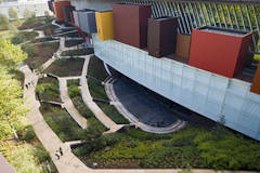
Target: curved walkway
[[68, 104], [99, 114]]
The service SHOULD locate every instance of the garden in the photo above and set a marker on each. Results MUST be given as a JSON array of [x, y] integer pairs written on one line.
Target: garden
[[38, 54], [66, 67]]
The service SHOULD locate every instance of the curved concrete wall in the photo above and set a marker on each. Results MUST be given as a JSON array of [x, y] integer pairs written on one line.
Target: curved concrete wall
[[206, 93]]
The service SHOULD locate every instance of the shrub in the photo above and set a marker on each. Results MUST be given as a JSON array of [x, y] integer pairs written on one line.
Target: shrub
[[41, 154], [21, 37], [27, 134]]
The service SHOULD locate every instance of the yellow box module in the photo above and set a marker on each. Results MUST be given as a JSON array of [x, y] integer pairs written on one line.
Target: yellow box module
[[105, 25]]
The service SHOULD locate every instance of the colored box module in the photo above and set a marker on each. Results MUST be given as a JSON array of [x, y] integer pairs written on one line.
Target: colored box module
[[87, 21], [183, 46], [256, 82], [223, 52], [162, 33], [58, 9], [68, 15], [104, 23], [131, 24]]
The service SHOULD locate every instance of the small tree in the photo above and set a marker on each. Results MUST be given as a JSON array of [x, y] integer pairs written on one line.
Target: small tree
[[13, 14], [4, 22]]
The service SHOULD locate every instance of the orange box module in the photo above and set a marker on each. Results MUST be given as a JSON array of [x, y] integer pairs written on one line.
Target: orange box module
[[224, 52], [58, 9], [104, 23]]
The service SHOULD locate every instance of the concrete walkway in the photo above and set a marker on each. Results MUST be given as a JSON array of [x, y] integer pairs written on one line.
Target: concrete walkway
[[99, 114], [68, 104]]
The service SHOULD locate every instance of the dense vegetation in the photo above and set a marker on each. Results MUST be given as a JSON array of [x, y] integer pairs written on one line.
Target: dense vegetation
[[191, 147], [78, 52], [24, 36], [38, 54], [61, 122], [48, 89], [66, 67], [18, 143]]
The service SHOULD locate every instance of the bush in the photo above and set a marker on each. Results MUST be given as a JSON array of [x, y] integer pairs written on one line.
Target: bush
[[78, 52], [27, 134], [21, 37], [41, 154]]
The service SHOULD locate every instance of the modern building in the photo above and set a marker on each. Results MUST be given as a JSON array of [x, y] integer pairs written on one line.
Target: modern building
[[210, 69]]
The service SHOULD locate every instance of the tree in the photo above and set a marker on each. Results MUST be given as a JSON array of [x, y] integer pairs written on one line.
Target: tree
[[11, 102], [4, 22], [13, 14], [10, 55]]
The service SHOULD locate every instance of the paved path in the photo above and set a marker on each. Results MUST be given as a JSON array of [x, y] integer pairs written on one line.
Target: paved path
[[68, 104], [100, 115]]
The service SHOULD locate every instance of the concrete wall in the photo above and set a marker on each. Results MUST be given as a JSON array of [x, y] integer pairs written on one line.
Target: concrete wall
[[39, 7], [206, 93]]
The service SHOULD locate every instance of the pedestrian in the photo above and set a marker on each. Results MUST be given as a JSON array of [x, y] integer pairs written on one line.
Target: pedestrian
[[26, 86], [57, 155], [61, 152]]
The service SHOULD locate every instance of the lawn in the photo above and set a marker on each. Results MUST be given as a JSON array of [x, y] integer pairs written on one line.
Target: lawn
[[23, 36], [48, 89], [78, 52], [66, 67], [191, 147], [28, 154], [96, 69], [61, 123], [38, 54]]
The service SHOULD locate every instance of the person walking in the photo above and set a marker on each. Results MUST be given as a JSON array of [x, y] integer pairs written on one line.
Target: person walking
[[61, 152], [57, 155]]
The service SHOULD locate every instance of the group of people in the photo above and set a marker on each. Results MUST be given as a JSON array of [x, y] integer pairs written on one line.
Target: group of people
[[59, 153], [27, 85]]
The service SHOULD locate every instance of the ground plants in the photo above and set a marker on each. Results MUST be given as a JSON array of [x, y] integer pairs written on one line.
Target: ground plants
[[61, 122], [66, 67], [23, 36], [48, 89], [78, 52]]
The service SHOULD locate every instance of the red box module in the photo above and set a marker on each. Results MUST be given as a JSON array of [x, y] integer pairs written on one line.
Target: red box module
[[224, 52], [58, 9], [131, 24]]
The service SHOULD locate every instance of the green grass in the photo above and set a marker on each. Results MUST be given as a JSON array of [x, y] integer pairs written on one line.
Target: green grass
[[78, 52], [39, 54], [24, 36], [48, 89], [61, 123], [97, 90], [194, 147], [66, 67]]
